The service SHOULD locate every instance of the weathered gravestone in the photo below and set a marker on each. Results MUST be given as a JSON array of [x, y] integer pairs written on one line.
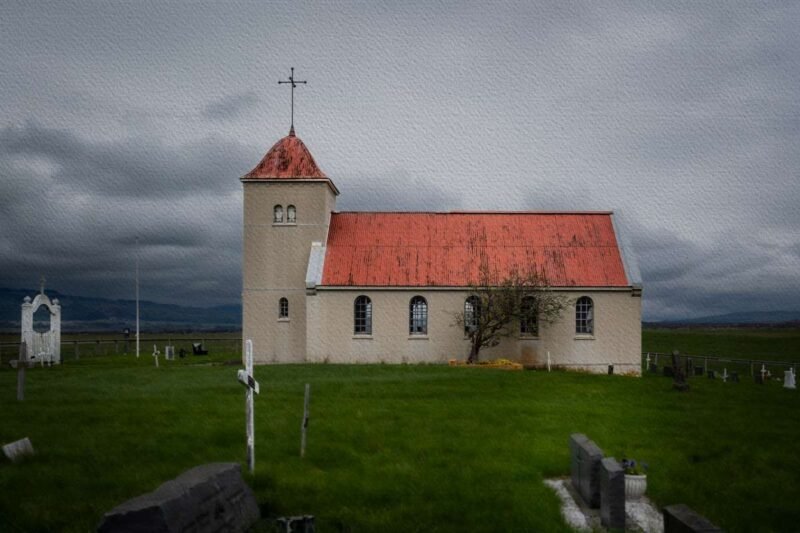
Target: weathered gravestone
[[788, 380], [18, 450], [207, 498], [585, 468], [682, 519], [612, 494]]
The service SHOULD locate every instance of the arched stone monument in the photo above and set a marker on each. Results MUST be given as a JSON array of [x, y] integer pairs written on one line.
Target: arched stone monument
[[42, 347]]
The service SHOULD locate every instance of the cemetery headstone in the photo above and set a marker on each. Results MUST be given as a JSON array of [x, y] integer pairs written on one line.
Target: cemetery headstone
[[156, 353], [207, 498], [789, 380], [612, 494], [586, 457], [679, 379], [682, 519], [169, 352], [18, 450], [734, 377], [712, 374]]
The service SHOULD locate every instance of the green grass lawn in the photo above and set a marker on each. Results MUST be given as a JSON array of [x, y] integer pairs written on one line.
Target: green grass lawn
[[392, 448], [772, 344]]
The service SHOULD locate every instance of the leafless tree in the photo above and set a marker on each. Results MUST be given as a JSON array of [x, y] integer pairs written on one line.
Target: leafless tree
[[497, 306]]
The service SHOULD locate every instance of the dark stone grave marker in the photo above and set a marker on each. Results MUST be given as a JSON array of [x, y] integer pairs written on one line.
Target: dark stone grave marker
[[682, 519], [207, 498], [586, 457], [612, 494], [712, 374]]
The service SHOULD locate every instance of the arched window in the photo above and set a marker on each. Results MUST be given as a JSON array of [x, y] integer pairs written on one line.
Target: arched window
[[283, 308], [291, 214], [418, 316], [362, 316], [472, 313], [528, 323], [584, 316], [277, 212]]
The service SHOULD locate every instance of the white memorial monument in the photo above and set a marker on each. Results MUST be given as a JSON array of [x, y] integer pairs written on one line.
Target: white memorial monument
[[44, 347]]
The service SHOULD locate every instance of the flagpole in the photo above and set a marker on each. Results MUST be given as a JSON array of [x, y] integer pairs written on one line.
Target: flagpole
[[137, 297]]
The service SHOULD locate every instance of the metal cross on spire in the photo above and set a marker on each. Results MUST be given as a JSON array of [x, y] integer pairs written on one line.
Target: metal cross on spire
[[41, 284], [294, 83]]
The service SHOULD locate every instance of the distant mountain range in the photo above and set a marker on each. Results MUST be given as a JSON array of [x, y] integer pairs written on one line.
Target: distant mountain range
[[99, 314], [740, 318]]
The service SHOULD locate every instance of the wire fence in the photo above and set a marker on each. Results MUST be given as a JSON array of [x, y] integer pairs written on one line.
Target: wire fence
[[714, 366], [74, 349]]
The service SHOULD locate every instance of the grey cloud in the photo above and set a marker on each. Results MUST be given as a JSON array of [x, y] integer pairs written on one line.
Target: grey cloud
[[137, 120], [231, 107]]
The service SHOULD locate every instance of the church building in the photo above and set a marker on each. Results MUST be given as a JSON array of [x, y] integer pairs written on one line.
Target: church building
[[320, 285]]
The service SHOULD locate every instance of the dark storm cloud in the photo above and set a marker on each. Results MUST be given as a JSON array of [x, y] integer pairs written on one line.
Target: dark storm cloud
[[136, 119], [76, 208], [231, 107]]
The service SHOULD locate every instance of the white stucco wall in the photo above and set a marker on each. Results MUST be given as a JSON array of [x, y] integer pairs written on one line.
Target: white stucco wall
[[330, 337]]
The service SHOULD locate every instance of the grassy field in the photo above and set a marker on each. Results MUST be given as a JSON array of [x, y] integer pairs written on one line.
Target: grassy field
[[773, 344], [391, 448]]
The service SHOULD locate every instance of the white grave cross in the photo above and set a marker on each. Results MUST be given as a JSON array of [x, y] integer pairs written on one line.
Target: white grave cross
[[246, 378], [156, 353]]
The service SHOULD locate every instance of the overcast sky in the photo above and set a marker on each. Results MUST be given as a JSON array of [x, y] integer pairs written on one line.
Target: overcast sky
[[125, 119]]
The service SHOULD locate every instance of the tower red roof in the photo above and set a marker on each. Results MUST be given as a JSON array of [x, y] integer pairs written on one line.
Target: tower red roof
[[287, 159]]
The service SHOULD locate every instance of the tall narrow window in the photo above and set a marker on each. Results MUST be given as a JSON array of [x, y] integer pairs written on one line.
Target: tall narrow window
[[472, 313], [283, 308], [291, 214], [277, 212], [528, 323], [362, 316], [584, 316], [418, 316]]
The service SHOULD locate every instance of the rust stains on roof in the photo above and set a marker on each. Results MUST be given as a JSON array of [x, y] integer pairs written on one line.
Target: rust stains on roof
[[446, 249], [287, 159]]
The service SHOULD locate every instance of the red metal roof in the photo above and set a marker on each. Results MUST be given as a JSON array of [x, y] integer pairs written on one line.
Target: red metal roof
[[446, 249], [288, 158]]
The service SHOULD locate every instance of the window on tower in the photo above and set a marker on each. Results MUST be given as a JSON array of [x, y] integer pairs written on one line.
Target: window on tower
[[283, 308], [291, 214], [277, 212]]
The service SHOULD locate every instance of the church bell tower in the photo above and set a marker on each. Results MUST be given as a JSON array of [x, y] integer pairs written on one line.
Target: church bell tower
[[288, 201]]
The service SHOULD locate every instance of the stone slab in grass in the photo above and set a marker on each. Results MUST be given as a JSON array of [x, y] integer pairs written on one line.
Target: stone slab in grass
[[585, 468], [18, 450], [681, 518], [206, 498], [612, 494], [640, 515]]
